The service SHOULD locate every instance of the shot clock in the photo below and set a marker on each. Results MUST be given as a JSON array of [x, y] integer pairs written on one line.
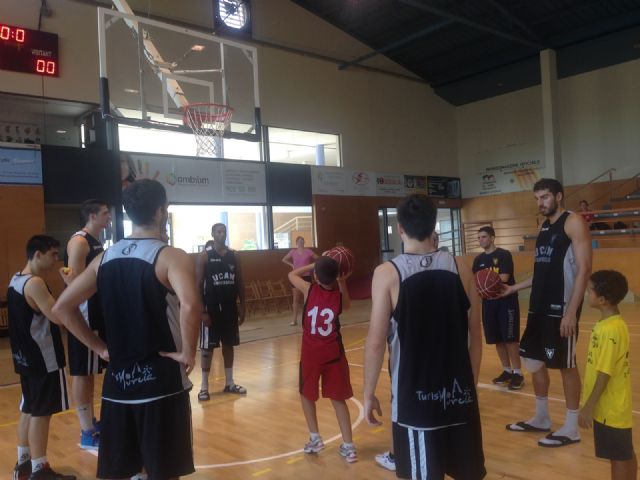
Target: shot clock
[[28, 51]]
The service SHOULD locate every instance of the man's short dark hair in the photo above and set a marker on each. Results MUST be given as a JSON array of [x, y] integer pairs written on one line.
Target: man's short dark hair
[[610, 284], [42, 244], [488, 230], [213, 227], [417, 214], [142, 199], [89, 207], [326, 269], [551, 184]]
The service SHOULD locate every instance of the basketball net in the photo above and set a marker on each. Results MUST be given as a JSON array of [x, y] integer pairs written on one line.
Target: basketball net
[[208, 121]]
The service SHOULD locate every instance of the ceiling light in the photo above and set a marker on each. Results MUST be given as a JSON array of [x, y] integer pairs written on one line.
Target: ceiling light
[[61, 131], [197, 48], [131, 90]]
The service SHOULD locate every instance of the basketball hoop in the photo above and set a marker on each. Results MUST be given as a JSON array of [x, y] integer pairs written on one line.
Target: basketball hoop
[[208, 121]]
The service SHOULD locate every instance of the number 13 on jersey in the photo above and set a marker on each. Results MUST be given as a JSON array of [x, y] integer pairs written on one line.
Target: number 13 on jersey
[[326, 318]]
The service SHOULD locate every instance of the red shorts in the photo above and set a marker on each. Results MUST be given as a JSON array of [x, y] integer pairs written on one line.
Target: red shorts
[[336, 384]]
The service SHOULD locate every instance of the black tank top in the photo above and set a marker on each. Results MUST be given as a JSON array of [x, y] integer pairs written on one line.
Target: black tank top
[[36, 345], [220, 285], [141, 320], [431, 377], [91, 309], [554, 271]]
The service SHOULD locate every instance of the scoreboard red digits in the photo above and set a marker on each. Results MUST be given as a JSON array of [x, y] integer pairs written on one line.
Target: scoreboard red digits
[[28, 51]]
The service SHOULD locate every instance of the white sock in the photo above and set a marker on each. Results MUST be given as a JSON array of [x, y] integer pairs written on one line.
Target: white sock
[[140, 476], [541, 418], [507, 369], [228, 373], [315, 436], [517, 371], [38, 463], [85, 415], [570, 427], [24, 454], [205, 380], [348, 445]]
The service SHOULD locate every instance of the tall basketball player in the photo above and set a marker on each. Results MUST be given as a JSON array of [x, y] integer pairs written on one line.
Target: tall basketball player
[[560, 276], [218, 271], [82, 248], [422, 305], [146, 414]]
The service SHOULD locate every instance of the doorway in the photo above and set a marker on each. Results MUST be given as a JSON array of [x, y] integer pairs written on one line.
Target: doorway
[[390, 241]]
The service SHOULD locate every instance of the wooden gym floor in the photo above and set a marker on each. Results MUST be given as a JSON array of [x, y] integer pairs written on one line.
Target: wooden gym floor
[[261, 435]]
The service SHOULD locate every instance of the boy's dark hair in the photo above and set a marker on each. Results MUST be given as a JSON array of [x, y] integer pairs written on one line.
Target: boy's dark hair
[[40, 243], [217, 225], [551, 184], [610, 284], [89, 207], [142, 199], [326, 269], [417, 215], [489, 230]]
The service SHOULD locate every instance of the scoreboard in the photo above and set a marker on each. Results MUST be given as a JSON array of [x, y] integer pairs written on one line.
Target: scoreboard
[[28, 51]]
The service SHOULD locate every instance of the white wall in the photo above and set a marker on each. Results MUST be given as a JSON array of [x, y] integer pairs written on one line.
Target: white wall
[[599, 118]]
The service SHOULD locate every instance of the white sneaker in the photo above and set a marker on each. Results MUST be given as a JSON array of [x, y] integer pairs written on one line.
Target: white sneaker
[[313, 446], [386, 460], [349, 453]]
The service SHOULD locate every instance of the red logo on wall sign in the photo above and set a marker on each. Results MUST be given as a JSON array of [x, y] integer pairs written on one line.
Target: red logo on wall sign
[[360, 178]]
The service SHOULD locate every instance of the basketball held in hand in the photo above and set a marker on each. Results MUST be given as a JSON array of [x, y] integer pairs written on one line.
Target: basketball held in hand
[[344, 257], [488, 284]]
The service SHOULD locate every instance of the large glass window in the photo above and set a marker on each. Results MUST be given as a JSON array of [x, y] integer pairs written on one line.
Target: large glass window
[[448, 226], [190, 226], [290, 223], [307, 148]]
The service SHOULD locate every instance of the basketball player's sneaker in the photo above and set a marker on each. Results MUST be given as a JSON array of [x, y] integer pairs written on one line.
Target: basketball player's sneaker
[[386, 460], [46, 473], [314, 446], [516, 382], [22, 471], [348, 452], [503, 379], [90, 439]]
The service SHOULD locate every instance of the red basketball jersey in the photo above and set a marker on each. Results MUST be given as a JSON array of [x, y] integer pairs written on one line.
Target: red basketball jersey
[[321, 339]]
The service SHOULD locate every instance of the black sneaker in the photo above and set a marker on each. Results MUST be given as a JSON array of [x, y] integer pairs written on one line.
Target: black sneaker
[[22, 471], [46, 473], [517, 382], [503, 379]]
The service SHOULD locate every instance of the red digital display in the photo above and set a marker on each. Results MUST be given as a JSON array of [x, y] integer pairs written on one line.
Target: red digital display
[[28, 51]]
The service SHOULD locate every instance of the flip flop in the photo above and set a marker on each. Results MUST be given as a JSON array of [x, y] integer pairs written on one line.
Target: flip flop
[[525, 427], [235, 389], [203, 396], [561, 440]]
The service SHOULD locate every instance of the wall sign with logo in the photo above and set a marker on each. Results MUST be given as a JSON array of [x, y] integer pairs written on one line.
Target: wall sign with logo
[[20, 165], [193, 180], [443, 187]]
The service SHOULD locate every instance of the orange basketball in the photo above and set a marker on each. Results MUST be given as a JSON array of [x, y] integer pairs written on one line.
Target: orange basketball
[[344, 257], [488, 283]]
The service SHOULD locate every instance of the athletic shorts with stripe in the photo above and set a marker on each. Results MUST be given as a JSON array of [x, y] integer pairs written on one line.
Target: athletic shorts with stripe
[[157, 435], [430, 454], [336, 383], [542, 341], [501, 320], [224, 327], [44, 395], [82, 360]]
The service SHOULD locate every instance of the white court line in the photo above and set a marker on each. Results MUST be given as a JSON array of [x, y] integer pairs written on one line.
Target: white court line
[[288, 454]]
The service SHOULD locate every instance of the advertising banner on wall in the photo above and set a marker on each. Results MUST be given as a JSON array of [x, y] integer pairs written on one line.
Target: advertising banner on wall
[[193, 180], [443, 187], [512, 168], [20, 165], [389, 185], [341, 181]]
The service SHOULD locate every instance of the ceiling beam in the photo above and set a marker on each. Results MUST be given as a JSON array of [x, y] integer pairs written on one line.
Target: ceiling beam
[[421, 5], [392, 46], [513, 18]]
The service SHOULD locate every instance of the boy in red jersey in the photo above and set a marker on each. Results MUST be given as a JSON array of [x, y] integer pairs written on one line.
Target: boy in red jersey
[[322, 355]]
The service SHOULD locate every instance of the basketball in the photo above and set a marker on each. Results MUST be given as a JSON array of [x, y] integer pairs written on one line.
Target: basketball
[[344, 257], [488, 283]]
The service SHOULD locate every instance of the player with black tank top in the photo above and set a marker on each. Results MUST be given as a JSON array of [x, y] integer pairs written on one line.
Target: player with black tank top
[[562, 266], [218, 273]]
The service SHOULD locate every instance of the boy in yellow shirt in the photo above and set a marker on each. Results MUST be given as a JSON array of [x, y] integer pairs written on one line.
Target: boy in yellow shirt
[[606, 392]]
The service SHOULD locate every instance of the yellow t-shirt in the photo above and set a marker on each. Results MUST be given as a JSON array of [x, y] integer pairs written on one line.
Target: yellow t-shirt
[[609, 353]]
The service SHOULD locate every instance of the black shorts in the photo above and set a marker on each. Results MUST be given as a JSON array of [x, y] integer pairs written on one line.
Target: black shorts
[[224, 327], [613, 443], [155, 435], [430, 454], [501, 320], [82, 360], [44, 395], [541, 340]]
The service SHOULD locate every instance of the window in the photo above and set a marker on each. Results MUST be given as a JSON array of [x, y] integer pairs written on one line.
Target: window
[[307, 148], [190, 226], [290, 223]]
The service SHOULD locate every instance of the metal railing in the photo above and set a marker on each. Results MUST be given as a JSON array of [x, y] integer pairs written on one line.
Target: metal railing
[[608, 172], [295, 224]]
